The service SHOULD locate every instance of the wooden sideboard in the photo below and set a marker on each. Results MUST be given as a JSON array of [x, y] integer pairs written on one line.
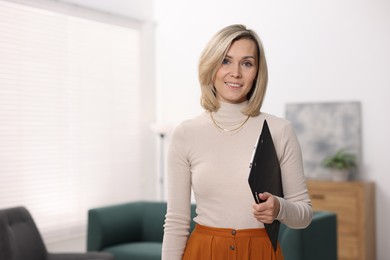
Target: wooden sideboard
[[354, 204]]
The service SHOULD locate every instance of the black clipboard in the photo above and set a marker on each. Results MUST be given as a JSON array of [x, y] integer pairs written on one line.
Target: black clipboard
[[265, 175]]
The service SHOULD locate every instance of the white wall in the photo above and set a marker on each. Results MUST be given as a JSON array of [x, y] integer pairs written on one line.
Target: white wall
[[316, 50]]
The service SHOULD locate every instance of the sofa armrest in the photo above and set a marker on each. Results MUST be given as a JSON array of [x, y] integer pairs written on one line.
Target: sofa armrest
[[114, 225]]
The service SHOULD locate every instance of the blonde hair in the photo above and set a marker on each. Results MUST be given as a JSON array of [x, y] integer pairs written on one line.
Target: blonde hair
[[211, 59]]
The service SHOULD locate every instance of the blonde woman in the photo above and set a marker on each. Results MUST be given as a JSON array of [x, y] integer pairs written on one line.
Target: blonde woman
[[210, 155]]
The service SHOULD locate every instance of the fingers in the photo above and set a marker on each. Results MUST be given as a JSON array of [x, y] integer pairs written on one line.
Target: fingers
[[264, 216], [267, 211]]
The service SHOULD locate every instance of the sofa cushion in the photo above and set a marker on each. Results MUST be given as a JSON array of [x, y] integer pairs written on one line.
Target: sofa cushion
[[136, 250]]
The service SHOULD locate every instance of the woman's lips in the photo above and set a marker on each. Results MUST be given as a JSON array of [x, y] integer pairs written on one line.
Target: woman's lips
[[233, 85]]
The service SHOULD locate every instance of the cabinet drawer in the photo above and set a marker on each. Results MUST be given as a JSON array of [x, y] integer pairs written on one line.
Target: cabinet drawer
[[344, 204], [350, 246]]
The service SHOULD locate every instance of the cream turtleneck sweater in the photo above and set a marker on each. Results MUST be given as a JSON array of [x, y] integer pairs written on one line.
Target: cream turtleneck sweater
[[215, 165]]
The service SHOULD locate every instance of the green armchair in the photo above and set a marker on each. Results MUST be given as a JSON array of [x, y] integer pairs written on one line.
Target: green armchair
[[318, 241], [135, 231], [129, 231]]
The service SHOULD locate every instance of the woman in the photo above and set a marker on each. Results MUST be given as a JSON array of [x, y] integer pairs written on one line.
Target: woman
[[210, 154]]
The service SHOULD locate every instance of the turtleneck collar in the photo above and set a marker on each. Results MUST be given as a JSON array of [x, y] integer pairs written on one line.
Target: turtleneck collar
[[230, 113]]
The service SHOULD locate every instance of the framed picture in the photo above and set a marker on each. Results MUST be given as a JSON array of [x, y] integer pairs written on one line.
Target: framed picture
[[323, 129]]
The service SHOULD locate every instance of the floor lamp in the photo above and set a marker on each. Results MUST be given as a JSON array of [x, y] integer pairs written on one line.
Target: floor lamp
[[162, 131], [161, 176]]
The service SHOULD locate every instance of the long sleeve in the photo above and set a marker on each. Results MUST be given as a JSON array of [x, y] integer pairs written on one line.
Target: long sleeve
[[295, 207], [177, 223]]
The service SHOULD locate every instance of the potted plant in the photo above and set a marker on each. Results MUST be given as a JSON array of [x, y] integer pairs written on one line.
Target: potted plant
[[340, 164]]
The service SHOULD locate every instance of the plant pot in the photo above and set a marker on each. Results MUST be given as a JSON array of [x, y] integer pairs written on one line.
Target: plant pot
[[340, 175]]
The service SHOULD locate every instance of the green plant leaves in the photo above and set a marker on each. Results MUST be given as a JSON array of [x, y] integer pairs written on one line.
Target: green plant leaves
[[340, 160]]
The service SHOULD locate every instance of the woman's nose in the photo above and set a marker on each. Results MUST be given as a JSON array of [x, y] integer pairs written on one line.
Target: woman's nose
[[236, 72]]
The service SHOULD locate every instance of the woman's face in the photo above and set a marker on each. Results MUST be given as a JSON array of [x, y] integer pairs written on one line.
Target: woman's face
[[234, 79]]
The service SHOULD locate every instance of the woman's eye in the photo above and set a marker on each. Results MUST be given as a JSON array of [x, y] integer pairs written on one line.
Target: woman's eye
[[247, 64], [225, 61]]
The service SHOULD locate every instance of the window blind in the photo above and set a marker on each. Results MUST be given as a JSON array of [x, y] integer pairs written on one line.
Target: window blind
[[69, 115]]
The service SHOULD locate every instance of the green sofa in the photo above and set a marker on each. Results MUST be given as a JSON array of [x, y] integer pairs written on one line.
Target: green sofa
[[134, 231]]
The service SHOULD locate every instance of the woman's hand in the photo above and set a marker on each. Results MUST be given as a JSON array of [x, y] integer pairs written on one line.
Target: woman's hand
[[267, 211]]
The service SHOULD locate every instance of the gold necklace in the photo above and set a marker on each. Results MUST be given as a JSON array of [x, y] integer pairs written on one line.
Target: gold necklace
[[232, 131]]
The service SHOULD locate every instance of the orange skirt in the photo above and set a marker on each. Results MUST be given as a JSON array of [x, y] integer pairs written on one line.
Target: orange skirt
[[209, 243]]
